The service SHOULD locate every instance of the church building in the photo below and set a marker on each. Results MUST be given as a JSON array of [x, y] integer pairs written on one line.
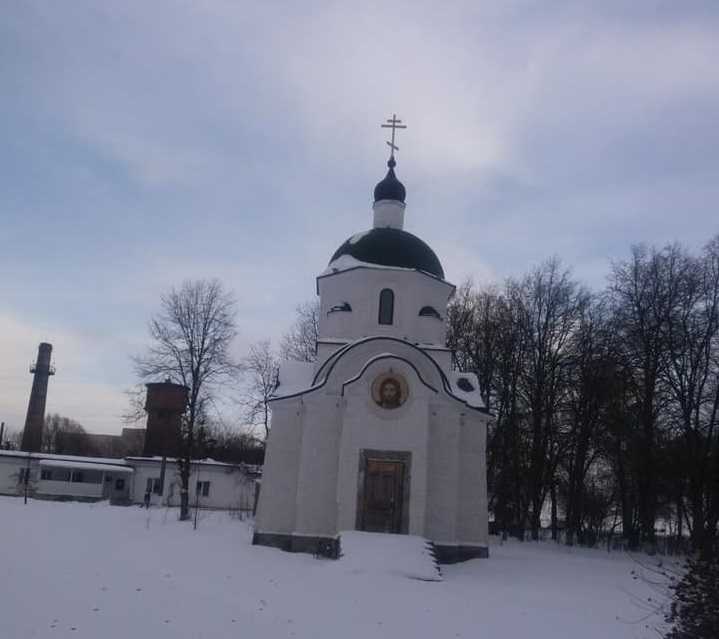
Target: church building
[[380, 434]]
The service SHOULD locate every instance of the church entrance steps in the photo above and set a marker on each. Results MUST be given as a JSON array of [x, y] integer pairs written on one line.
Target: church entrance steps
[[382, 553]]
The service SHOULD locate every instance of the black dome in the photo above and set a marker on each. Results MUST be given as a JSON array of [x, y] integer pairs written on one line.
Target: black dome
[[390, 188], [391, 247]]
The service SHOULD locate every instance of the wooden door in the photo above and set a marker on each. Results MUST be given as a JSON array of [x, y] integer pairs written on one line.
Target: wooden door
[[383, 490]]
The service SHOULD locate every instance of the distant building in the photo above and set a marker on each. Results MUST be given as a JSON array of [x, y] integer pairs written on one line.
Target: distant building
[[130, 442], [126, 481]]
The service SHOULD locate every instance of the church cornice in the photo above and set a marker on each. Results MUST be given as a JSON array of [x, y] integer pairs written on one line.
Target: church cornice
[[379, 358], [332, 360], [373, 267]]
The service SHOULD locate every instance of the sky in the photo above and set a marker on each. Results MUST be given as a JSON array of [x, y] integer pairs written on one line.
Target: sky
[[142, 144]]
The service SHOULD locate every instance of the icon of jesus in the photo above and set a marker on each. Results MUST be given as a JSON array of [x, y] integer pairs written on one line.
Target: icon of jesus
[[390, 393]]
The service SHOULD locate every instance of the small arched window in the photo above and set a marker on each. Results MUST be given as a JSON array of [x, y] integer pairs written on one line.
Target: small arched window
[[429, 311], [386, 306], [345, 307], [464, 384]]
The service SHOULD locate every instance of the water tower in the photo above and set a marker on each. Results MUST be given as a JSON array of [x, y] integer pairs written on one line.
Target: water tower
[[165, 404]]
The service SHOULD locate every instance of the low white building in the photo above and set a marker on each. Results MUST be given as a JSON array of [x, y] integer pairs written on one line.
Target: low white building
[[212, 484], [65, 477], [380, 434], [124, 481]]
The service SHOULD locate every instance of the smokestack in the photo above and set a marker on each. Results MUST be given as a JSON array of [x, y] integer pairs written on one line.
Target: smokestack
[[35, 420]]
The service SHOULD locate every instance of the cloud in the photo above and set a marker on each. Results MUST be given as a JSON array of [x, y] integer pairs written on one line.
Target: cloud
[[150, 143], [96, 403]]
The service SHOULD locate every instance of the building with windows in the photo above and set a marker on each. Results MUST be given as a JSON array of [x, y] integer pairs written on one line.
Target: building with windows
[[380, 433], [132, 480], [212, 484]]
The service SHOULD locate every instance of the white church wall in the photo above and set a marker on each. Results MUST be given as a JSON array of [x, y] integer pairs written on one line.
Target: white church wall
[[317, 482], [441, 355], [361, 287], [443, 488], [367, 426], [325, 349], [276, 512], [472, 522], [353, 360], [388, 214]]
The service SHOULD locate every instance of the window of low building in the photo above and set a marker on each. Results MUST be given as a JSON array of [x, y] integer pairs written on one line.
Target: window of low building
[[203, 488], [153, 485], [86, 476]]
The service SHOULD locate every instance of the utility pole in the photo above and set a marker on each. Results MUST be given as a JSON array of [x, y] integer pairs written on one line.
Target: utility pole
[[27, 475], [197, 496]]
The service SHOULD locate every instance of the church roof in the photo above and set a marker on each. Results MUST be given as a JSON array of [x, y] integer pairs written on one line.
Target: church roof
[[391, 247], [390, 188]]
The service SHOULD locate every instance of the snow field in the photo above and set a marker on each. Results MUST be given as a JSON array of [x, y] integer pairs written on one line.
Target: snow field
[[96, 571]]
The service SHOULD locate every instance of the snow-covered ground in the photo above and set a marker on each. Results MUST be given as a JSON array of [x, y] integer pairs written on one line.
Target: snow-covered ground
[[103, 572]]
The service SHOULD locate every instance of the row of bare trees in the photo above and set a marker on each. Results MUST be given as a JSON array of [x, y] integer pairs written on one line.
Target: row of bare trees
[[605, 403]]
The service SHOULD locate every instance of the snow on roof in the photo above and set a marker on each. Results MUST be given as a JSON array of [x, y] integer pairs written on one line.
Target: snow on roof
[[465, 386], [294, 377], [333, 340], [346, 262], [55, 463], [73, 458], [208, 461], [357, 237], [93, 462]]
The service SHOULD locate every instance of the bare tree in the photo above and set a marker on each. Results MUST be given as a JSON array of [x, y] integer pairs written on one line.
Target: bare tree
[[260, 368], [552, 304], [12, 439], [191, 338], [135, 411], [643, 292], [607, 404], [690, 370], [56, 426], [300, 341], [227, 442]]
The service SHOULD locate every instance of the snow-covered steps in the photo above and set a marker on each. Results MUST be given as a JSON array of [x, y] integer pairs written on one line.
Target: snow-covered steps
[[379, 553]]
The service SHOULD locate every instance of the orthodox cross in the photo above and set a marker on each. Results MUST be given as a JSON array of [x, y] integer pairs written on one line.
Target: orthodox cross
[[393, 124]]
